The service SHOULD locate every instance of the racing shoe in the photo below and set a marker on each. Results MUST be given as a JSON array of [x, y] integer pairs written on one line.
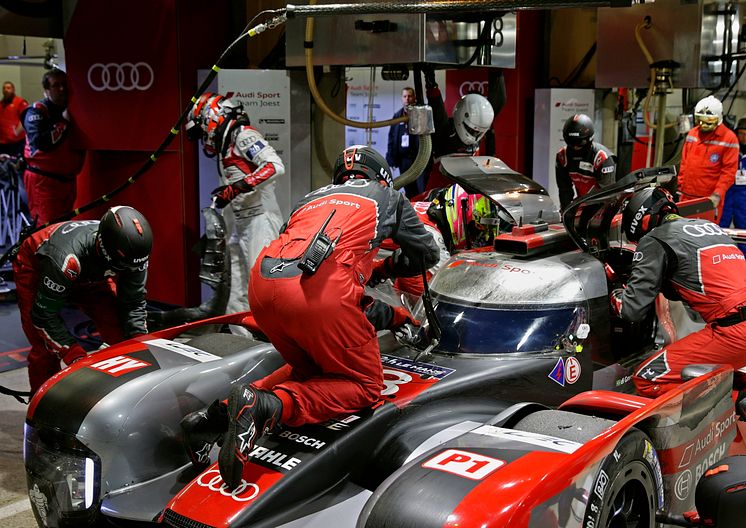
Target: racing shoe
[[251, 413], [202, 429]]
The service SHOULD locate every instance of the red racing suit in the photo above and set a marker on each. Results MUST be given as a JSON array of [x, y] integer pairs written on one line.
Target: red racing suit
[[58, 265], [253, 219], [12, 140], [584, 170], [51, 162], [695, 261], [709, 162], [318, 322]]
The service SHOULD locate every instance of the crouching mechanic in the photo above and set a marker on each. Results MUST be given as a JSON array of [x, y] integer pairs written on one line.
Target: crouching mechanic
[[99, 266], [325, 327], [686, 259], [248, 167]]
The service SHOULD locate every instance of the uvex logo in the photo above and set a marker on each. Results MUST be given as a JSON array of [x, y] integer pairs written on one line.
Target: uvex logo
[[638, 216]]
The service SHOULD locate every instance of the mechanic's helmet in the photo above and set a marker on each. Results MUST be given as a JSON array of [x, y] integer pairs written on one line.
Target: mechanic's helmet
[[578, 131], [470, 216], [645, 210], [708, 113], [360, 161], [472, 118], [207, 115], [124, 238]]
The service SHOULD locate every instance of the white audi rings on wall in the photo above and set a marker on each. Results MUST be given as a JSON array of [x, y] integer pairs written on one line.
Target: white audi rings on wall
[[126, 76], [468, 87]]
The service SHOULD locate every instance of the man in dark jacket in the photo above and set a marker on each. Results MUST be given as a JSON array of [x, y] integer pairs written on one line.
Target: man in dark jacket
[[99, 266], [690, 260], [403, 146], [325, 327]]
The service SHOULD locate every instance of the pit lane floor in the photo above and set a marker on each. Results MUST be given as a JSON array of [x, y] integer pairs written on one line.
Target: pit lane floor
[[15, 510]]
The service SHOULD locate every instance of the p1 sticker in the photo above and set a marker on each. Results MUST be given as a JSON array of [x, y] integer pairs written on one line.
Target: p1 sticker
[[464, 464]]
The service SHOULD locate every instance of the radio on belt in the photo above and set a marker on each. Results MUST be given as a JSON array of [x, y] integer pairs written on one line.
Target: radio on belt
[[319, 249]]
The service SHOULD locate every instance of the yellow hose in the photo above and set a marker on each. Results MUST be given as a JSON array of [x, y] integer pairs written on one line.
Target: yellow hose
[[317, 96]]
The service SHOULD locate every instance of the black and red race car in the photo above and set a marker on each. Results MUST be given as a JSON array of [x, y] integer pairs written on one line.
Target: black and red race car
[[507, 409]]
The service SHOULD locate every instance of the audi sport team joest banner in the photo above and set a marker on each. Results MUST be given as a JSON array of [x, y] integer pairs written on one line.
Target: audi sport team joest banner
[[124, 90]]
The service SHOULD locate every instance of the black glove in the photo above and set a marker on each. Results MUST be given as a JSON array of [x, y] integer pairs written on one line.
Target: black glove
[[225, 193], [429, 74], [381, 272]]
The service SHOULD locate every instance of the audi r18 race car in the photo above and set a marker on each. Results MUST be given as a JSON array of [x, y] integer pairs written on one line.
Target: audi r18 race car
[[506, 409]]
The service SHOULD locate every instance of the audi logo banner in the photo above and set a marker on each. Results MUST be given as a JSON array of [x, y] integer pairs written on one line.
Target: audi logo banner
[[124, 89]]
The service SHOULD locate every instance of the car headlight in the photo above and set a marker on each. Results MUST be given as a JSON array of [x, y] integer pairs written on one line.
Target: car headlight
[[63, 478]]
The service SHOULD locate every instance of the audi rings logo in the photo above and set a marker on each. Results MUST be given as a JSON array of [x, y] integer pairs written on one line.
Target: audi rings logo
[[126, 76], [468, 87], [703, 230], [244, 492], [49, 283]]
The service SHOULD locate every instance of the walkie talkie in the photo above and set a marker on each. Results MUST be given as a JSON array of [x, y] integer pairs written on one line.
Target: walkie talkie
[[319, 249]]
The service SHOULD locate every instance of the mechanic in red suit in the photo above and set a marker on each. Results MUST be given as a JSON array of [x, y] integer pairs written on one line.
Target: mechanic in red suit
[[709, 160], [582, 165], [99, 266], [52, 164], [323, 325], [686, 259]]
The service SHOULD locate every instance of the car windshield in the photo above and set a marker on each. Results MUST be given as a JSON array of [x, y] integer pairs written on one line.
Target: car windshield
[[468, 329]]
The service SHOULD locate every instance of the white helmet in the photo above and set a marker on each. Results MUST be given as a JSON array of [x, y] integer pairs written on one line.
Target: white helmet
[[472, 117], [708, 113]]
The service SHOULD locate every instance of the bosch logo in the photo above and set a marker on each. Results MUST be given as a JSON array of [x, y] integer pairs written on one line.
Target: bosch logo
[[126, 76], [244, 492], [468, 87], [49, 283], [703, 230]]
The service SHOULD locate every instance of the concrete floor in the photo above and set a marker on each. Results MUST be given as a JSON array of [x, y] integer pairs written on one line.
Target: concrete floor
[[15, 510]]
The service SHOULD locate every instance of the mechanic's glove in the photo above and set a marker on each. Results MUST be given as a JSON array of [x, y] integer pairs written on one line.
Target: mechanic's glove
[[73, 354], [381, 271], [616, 301], [429, 74], [400, 317], [225, 193]]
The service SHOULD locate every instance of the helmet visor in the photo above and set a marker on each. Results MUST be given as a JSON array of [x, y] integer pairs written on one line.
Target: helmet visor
[[707, 122]]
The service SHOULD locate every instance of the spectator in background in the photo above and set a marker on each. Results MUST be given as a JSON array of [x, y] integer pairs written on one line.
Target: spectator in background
[[403, 147], [582, 165], [12, 135], [52, 164], [709, 160], [734, 208]]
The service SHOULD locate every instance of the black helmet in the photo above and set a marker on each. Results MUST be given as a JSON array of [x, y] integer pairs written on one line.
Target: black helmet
[[359, 161], [645, 210], [578, 130], [124, 238]]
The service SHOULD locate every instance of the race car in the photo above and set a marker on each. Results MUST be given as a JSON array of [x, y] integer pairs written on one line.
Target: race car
[[487, 417]]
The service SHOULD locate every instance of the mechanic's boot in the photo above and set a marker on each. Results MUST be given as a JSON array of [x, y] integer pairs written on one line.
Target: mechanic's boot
[[251, 413], [202, 429]]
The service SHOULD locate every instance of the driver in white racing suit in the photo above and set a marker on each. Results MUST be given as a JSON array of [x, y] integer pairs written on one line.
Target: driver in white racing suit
[[248, 166]]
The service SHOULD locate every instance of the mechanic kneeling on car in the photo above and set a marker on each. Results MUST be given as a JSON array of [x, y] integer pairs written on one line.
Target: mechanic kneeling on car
[[306, 292], [99, 266], [686, 259]]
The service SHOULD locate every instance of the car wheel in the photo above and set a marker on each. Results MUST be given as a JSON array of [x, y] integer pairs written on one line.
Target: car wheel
[[627, 489]]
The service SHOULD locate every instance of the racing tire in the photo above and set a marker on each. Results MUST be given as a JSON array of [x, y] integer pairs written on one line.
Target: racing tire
[[628, 487]]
